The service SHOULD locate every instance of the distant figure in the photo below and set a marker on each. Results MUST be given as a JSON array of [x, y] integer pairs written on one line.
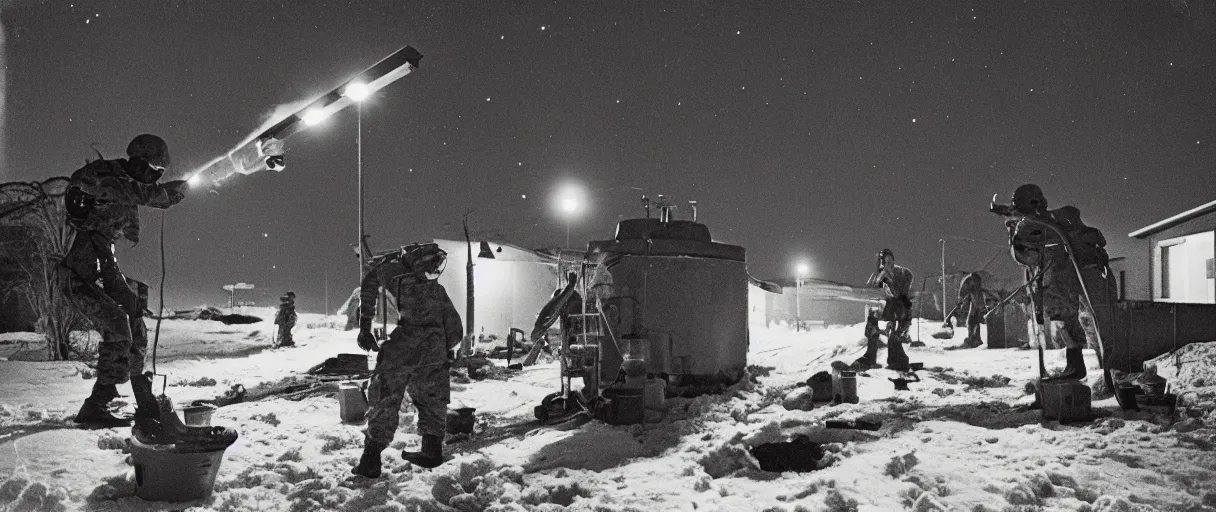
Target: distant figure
[[286, 319], [897, 308], [414, 360], [102, 202], [971, 295]]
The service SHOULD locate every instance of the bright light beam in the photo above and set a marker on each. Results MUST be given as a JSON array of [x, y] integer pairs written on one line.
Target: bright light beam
[[357, 91], [314, 117]]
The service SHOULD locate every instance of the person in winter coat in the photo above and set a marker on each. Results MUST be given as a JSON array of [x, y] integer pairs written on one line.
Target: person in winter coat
[[102, 202], [414, 360]]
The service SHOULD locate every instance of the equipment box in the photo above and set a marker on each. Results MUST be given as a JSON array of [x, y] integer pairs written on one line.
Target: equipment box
[[1066, 401]]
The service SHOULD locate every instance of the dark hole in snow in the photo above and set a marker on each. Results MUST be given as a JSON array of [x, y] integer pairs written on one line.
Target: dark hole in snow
[[238, 319], [798, 455]]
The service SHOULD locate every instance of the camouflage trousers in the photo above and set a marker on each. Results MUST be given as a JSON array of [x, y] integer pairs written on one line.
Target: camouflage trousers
[[285, 334], [897, 312], [398, 373], [1061, 300], [116, 310]]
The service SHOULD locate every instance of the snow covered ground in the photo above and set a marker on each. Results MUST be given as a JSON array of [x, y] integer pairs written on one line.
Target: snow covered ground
[[955, 441]]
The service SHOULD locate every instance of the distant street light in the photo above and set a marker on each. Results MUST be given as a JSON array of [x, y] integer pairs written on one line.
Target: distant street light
[[569, 203], [802, 270]]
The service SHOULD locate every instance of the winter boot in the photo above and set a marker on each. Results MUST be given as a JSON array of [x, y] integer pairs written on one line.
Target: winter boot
[[95, 412], [431, 455], [897, 359], [157, 423], [369, 463], [1074, 367]]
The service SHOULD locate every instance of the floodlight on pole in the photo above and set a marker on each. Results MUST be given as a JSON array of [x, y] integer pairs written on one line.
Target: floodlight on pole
[[801, 269], [569, 204], [357, 91]]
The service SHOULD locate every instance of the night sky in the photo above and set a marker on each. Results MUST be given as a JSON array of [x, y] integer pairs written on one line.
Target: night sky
[[824, 130]]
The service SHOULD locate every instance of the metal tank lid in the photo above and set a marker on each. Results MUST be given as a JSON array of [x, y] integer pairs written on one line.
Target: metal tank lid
[[653, 237]]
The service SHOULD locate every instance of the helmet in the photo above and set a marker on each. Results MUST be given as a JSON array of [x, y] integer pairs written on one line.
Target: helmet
[[290, 294], [425, 258], [149, 148], [1029, 197], [885, 253]]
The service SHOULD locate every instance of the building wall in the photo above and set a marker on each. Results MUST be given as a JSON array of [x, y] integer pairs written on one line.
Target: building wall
[[1200, 224], [1133, 275]]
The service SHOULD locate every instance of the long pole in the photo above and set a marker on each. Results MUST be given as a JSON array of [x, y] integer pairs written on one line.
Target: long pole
[[798, 304], [469, 304], [943, 241], [567, 232], [359, 150]]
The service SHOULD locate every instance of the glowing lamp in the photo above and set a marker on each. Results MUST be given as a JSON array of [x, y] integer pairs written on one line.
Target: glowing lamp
[[357, 91], [314, 116]]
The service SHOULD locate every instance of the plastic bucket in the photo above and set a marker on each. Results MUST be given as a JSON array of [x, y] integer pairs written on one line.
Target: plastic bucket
[[198, 415], [352, 404], [161, 474]]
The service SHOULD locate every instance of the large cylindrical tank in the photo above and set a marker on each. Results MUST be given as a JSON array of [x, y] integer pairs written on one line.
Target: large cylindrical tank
[[683, 293]]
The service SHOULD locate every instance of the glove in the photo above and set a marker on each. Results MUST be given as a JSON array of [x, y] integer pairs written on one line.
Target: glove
[[367, 341], [176, 190]]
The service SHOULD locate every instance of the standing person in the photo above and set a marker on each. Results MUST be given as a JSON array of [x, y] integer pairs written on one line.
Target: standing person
[[415, 357], [102, 201], [1054, 283], [970, 295], [897, 307], [286, 319]]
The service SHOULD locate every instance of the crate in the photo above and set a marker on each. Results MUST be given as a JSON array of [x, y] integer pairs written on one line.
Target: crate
[[1066, 401]]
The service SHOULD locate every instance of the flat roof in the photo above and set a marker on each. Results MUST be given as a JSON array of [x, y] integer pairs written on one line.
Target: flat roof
[[1173, 221]]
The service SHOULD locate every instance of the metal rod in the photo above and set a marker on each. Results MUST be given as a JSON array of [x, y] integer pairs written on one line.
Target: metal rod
[[359, 150], [943, 241]]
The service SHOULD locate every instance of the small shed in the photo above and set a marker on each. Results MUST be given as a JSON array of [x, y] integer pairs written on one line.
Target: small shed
[[1182, 252]]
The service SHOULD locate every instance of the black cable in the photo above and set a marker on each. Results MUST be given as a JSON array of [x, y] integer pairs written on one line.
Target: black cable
[[161, 314]]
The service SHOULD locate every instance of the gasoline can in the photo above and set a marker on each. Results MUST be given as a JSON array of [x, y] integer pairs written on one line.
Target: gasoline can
[[846, 387], [352, 404]]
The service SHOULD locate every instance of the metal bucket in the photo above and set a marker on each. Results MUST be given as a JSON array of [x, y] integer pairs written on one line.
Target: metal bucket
[[198, 414]]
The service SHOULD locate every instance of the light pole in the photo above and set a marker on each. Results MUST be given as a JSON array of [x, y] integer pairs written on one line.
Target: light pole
[[358, 92], [802, 270]]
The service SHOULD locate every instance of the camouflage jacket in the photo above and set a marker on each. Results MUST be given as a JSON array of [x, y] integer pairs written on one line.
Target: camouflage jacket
[[116, 199], [897, 282], [286, 314], [423, 307]]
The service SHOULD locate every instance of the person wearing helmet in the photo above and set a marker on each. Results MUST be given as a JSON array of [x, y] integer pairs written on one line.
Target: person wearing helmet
[[1054, 285], [414, 360], [286, 318], [897, 307], [102, 202]]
